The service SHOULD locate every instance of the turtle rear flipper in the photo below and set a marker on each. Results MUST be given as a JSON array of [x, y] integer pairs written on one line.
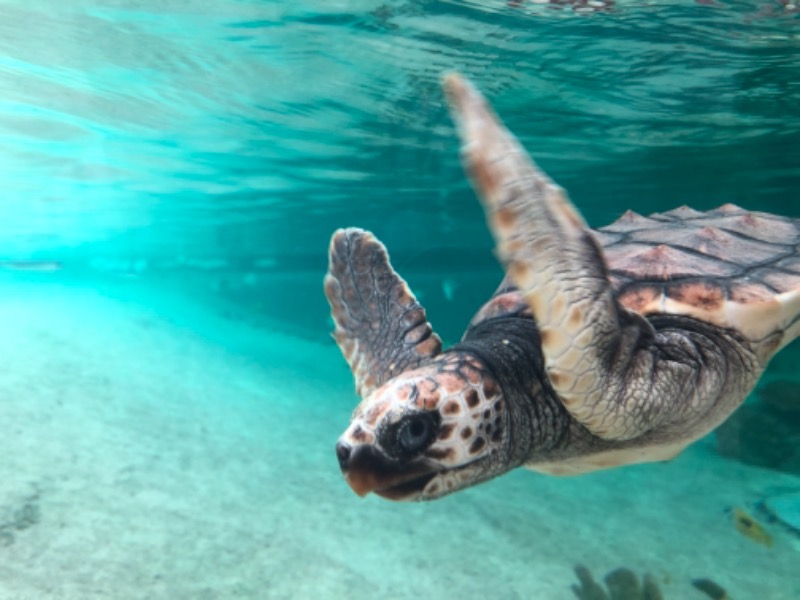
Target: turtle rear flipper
[[613, 371], [380, 327]]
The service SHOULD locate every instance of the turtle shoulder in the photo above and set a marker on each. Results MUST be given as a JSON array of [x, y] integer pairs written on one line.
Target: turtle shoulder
[[730, 267], [507, 301]]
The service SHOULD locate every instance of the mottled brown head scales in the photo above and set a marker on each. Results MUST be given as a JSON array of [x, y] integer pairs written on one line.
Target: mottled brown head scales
[[427, 432]]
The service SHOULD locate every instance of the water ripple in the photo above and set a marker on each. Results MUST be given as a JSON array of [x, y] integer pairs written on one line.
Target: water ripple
[[171, 125]]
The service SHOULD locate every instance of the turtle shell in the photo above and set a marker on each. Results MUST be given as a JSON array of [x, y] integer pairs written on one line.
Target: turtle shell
[[730, 267]]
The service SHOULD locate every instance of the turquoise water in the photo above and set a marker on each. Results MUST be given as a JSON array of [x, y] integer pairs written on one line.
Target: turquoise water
[[171, 175]]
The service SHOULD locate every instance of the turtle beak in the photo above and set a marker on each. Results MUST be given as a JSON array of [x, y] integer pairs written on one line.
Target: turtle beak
[[366, 470]]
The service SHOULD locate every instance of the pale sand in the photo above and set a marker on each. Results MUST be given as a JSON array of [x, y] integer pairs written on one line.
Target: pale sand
[[164, 452]]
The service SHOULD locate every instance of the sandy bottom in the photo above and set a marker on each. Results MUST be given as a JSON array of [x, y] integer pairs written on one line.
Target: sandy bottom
[[151, 449]]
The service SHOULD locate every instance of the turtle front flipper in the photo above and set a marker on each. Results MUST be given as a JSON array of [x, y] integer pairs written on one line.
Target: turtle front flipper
[[589, 341], [380, 327]]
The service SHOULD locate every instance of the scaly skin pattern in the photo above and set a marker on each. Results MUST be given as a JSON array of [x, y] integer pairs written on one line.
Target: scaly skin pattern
[[466, 442], [604, 361], [474, 428], [381, 329], [483, 429], [584, 359]]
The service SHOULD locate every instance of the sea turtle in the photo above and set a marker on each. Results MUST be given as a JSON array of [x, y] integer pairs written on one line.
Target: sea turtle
[[600, 348]]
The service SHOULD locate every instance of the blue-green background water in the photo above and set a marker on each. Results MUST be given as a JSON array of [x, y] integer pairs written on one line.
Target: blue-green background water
[[210, 149], [244, 132]]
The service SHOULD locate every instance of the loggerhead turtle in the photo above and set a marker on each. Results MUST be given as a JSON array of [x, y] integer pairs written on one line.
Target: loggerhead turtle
[[600, 348]]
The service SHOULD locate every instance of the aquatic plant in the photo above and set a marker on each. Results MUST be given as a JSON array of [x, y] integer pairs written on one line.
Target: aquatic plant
[[622, 584]]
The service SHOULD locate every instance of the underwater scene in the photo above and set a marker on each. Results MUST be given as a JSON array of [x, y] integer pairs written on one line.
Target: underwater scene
[[197, 195]]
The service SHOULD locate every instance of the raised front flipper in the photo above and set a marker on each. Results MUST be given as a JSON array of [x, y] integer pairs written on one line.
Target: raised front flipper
[[613, 372], [380, 327]]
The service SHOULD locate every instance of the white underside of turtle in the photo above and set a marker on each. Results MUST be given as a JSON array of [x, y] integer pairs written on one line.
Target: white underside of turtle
[[608, 459], [600, 348]]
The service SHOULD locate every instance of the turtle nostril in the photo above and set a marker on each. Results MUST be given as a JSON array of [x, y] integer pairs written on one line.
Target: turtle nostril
[[343, 451]]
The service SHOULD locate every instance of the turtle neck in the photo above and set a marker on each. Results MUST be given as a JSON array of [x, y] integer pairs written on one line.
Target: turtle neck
[[509, 348]]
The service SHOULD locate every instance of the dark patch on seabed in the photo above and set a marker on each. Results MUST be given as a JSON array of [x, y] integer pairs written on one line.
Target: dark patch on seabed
[[18, 514]]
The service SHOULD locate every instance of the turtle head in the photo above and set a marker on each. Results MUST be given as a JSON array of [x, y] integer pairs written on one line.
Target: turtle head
[[427, 432]]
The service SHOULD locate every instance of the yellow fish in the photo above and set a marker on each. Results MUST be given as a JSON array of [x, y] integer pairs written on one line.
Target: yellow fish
[[751, 528]]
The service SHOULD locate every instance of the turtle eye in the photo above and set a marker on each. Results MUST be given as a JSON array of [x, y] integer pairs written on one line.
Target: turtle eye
[[415, 433]]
